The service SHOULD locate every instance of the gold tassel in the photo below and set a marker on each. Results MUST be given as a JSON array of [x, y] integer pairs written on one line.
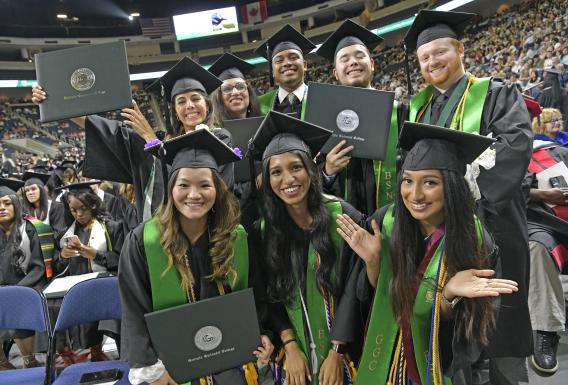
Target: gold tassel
[[251, 375]]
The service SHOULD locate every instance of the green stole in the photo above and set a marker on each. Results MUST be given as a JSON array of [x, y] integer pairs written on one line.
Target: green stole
[[385, 170], [314, 298], [166, 285], [46, 241], [472, 110], [267, 100]]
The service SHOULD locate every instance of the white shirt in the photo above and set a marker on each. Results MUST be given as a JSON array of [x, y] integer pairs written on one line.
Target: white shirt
[[299, 92]]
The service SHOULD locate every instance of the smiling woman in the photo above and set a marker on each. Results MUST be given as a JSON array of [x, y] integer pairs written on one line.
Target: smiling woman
[[305, 261]]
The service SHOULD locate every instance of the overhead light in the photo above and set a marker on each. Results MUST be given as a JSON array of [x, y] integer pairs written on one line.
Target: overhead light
[[130, 18], [75, 18], [61, 16], [135, 14]]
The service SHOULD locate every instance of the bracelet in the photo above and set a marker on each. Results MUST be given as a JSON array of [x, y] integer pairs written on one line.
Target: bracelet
[[288, 341], [152, 143], [452, 304]]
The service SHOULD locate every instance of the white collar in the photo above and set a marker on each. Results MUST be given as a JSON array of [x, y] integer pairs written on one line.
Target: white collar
[[101, 194], [299, 92]]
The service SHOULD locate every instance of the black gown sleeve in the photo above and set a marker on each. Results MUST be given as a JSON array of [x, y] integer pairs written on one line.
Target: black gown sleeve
[[505, 115], [57, 218], [35, 272], [109, 259], [136, 298]]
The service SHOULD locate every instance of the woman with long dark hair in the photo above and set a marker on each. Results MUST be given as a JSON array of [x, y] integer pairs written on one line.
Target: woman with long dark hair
[[305, 263], [431, 265], [21, 263], [192, 249], [235, 98], [36, 202], [91, 243], [115, 150]]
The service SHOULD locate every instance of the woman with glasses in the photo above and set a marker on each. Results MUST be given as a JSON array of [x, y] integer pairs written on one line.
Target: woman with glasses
[[235, 99], [549, 127]]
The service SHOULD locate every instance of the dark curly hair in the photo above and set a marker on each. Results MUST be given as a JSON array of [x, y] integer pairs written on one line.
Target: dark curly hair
[[90, 200]]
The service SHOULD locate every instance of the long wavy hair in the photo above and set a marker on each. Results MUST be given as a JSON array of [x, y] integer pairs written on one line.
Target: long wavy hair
[[221, 111], [90, 200], [546, 116], [210, 119], [13, 248], [30, 209], [222, 220], [462, 247], [285, 260]]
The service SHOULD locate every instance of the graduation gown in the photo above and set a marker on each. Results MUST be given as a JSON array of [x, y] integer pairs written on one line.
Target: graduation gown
[[502, 206], [107, 258], [276, 319], [353, 314], [114, 152], [269, 102], [136, 297], [32, 270]]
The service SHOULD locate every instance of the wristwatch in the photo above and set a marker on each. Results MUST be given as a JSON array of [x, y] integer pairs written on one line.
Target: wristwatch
[[452, 304], [339, 348]]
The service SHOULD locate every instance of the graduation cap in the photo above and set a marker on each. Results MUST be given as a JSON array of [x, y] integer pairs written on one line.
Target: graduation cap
[[79, 187], [196, 149], [9, 186], [433, 147], [286, 38], [533, 106], [186, 75], [31, 178], [67, 163], [430, 25], [279, 133], [229, 66], [349, 33]]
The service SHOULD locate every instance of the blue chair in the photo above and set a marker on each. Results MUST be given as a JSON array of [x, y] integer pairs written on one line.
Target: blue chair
[[24, 308], [93, 300]]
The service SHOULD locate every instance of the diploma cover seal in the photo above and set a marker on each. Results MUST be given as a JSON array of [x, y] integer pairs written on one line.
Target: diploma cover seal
[[347, 120], [208, 338], [82, 79]]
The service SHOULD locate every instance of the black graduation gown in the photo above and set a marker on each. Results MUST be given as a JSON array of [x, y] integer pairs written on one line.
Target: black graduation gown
[[353, 313], [108, 259], [56, 217], [33, 273], [275, 319], [360, 185], [114, 152], [503, 211], [136, 296]]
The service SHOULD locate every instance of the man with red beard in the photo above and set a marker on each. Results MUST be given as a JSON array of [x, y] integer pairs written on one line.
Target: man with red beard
[[457, 100], [364, 183], [285, 52]]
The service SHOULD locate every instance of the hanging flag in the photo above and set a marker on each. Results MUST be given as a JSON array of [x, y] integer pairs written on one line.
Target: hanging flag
[[156, 27], [252, 13]]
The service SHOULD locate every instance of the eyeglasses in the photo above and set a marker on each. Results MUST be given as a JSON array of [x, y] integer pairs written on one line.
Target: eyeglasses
[[554, 121], [228, 88]]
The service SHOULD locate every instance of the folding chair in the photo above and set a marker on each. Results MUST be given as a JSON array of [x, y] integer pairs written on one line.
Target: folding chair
[[25, 308], [93, 300]]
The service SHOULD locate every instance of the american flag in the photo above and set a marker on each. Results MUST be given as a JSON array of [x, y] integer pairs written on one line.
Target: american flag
[[156, 26]]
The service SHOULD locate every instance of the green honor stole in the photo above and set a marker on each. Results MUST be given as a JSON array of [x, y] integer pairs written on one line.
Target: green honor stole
[[166, 287]]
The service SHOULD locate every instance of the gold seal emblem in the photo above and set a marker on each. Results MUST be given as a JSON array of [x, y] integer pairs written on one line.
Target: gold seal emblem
[[82, 79]]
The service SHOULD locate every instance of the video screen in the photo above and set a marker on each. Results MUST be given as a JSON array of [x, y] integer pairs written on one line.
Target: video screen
[[206, 23]]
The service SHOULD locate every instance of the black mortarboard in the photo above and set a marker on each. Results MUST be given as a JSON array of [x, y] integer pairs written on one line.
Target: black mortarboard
[[9, 186], [65, 164], [279, 133], [433, 147], [30, 178], [348, 33], [286, 38], [229, 66], [196, 149], [430, 25], [79, 187], [186, 75]]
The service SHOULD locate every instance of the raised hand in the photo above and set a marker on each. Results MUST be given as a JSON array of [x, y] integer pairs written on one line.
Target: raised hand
[[474, 283], [337, 159], [136, 119], [366, 245], [38, 94]]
